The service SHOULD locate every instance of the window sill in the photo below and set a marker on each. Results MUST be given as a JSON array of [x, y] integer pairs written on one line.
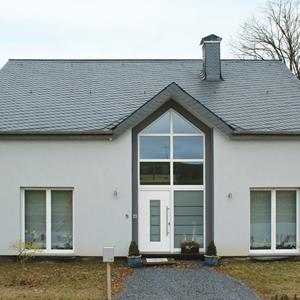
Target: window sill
[[274, 252], [52, 252]]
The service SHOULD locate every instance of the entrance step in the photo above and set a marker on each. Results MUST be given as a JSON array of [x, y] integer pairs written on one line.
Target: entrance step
[[159, 261], [180, 256]]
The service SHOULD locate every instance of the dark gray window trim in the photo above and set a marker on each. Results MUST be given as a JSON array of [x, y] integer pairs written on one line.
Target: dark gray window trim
[[209, 192]]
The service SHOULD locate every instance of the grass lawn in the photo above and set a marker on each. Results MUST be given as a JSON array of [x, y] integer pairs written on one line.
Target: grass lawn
[[59, 280], [268, 279]]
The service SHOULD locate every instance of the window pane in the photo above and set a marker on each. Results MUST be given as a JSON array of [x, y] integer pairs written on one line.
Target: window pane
[[286, 220], [260, 216], [188, 147], [61, 220], [155, 173], [188, 217], [154, 220], [35, 218], [180, 125], [154, 147], [162, 125], [188, 173]]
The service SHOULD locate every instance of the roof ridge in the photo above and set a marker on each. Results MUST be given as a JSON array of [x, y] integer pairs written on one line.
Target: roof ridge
[[103, 59], [134, 59]]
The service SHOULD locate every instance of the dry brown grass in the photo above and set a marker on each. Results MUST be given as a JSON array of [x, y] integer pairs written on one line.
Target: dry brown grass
[[268, 279], [59, 280], [87, 280]]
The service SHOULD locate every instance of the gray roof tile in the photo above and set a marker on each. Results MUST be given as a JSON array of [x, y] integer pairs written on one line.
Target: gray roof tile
[[97, 95]]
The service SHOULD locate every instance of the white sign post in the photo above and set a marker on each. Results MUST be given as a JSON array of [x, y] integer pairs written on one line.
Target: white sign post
[[108, 257]]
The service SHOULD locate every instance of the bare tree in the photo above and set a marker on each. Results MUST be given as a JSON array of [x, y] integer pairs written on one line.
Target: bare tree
[[275, 34]]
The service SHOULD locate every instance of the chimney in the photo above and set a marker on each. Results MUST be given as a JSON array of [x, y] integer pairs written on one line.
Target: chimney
[[211, 57]]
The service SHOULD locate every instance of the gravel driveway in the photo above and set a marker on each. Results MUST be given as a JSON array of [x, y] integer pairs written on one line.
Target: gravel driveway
[[171, 283]]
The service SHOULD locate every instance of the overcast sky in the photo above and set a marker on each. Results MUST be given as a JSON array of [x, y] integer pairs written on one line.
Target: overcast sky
[[117, 29]]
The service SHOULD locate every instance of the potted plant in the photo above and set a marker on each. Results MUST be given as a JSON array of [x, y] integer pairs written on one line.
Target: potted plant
[[134, 258], [191, 247], [210, 257]]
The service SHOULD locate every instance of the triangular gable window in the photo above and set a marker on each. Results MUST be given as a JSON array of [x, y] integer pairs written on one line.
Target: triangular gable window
[[162, 125], [180, 125]]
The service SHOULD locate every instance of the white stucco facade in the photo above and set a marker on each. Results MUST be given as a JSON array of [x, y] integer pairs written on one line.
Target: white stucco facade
[[94, 169], [238, 166]]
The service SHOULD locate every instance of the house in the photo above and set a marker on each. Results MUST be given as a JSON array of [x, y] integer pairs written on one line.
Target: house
[[96, 153]]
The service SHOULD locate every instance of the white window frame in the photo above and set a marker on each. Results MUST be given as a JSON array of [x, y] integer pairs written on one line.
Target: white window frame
[[273, 249], [171, 187], [48, 190]]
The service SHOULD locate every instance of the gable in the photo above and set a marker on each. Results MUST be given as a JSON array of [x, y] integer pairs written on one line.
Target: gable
[[173, 93]]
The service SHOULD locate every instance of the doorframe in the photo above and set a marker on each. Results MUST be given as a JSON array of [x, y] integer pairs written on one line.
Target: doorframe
[[208, 149]]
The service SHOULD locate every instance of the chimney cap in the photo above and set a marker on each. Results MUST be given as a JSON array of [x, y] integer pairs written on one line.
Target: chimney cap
[[211, 38]]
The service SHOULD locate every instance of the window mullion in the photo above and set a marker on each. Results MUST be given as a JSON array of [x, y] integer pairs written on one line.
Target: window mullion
[[273, 220], [48, 219]]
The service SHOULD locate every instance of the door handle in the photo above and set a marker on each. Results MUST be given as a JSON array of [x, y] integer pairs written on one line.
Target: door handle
[[167, 220]]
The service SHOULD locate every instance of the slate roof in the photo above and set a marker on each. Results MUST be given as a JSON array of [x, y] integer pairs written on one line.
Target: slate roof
[[82, 96]]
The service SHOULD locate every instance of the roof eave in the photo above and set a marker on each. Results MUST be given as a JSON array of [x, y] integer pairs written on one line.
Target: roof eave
[[56, 134], [260, 134]]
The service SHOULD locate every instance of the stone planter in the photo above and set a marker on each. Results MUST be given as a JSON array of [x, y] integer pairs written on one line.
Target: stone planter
[[211, 260], [135, 261]]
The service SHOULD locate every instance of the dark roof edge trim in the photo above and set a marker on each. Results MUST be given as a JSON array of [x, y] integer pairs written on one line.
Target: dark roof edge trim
[[56, 132], [57, 136], [265, 135], [261, 132]]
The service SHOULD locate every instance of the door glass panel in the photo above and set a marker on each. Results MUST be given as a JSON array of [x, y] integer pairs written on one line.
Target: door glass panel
[[188, 173], [188, 217], [286, 220], [156, 173], [188, 147], [260, 217], [61, 220], [154, 220], [180, 125], [162, 125], [35, 218], [154, 147]]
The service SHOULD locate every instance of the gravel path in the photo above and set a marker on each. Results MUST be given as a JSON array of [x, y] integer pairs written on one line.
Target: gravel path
[[171, 283]]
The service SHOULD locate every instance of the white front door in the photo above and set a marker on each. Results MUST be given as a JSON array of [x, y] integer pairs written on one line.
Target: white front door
[[154, 221]]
